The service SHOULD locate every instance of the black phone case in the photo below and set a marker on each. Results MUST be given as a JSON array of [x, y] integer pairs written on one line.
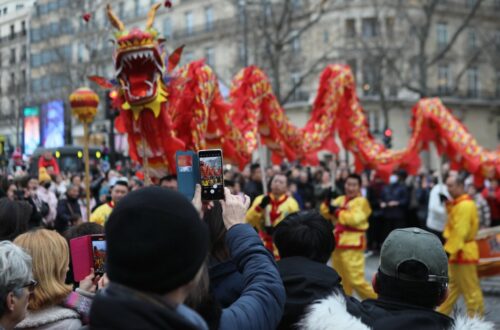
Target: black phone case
[[218, 192]]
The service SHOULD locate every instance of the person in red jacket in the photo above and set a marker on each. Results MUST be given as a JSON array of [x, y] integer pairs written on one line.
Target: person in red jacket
[[49, 162], [492, 196]]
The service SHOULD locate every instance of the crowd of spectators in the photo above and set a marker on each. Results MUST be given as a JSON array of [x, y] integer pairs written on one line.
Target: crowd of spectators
[[179, 264]]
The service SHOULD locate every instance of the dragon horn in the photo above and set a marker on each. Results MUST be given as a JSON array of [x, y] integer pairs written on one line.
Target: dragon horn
[[151, 15], [115, 21]]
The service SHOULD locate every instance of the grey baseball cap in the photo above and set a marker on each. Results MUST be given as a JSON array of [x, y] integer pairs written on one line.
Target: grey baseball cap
[[418, 245]]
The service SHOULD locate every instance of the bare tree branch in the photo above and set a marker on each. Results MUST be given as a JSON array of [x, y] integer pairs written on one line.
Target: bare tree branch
[[454, 38], [315, 19], [306, 74]]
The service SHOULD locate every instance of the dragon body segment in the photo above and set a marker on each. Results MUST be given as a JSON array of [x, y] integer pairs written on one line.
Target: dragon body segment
[[163, 110]]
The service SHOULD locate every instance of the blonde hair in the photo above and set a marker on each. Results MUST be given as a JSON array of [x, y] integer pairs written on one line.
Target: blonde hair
[[50, 254]]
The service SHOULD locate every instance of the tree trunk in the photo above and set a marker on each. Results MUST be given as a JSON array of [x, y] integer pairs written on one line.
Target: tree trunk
[[275, 69], [422, 68]]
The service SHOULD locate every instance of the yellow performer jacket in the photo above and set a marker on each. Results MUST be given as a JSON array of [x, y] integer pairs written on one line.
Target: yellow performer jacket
[[350, 219], [460, 231], [280, 208], [101, 214]]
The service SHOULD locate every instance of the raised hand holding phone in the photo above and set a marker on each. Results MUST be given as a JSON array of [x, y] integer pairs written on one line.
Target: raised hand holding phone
[[234, 208]]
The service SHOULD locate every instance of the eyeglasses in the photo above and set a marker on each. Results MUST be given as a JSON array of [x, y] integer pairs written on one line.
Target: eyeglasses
[[31, 286]]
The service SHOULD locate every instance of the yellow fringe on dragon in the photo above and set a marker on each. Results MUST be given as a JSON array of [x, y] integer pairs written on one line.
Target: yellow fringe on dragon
[[163, 110]]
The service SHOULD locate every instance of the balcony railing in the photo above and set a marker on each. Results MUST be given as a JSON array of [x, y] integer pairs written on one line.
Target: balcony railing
[[227, 24], [13, 37]]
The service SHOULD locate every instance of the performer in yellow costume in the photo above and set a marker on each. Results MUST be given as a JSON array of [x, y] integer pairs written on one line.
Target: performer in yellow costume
[[460, 232], [350, 215], [119, 188], [269, 210]]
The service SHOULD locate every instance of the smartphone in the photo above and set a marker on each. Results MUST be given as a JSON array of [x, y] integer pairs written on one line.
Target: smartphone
[[187, 172], [98, 243], [211, 174]]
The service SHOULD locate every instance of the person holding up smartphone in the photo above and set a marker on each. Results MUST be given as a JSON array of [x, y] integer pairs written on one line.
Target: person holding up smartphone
[[270, 209]]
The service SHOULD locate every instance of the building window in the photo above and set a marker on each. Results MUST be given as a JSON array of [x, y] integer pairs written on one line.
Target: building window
[[442, 34], [137, 8], [370, 80], [12, 32], [497, 41], [443, 79], [12, 83], [241, 53], [35, 60], [370, 27], [326, 37], [296, 42], [354, 67], [295, 80], [470, 3], [472, 82], [12, 56], [350, 28], [374, 121], [23, 77], [392, 74], [389, 26], [167, 27], [54, 29], [189, 22], [210, 56], [23, 53], [498, 84], [498, 130], [19, 6], [471, 39], [209, 18], [296, 4], [121, 10], [23, 28]]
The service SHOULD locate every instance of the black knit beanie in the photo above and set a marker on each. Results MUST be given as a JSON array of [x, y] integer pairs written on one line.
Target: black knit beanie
[[156, 241]]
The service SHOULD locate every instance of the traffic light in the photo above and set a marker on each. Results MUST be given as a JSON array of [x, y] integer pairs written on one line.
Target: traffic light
[[388, 138], [110, 107]]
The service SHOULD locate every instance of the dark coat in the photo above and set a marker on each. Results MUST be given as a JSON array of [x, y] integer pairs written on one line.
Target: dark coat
[[306, 191], [226, 282], [253, 189], [68, 210], [261, 303], [305, 281], [386, 314], [35, 218], [396, 192], [118, 307], [340, 312]]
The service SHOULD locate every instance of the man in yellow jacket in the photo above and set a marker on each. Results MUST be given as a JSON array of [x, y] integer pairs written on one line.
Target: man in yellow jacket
[[118, 190], [269, 210], [350, 215], [459, 233]]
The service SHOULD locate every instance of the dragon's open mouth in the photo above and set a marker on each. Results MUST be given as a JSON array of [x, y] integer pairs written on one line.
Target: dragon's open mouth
[[138, 72]]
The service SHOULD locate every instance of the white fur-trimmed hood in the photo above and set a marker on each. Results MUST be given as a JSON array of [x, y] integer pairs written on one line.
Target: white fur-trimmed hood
[[46, 316], [331, 314]]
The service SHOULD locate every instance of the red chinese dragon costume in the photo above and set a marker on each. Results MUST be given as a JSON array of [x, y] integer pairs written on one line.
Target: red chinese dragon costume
[[163, 110]]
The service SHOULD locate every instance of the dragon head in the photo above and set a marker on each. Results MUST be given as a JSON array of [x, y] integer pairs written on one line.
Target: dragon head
[[138, 60]]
